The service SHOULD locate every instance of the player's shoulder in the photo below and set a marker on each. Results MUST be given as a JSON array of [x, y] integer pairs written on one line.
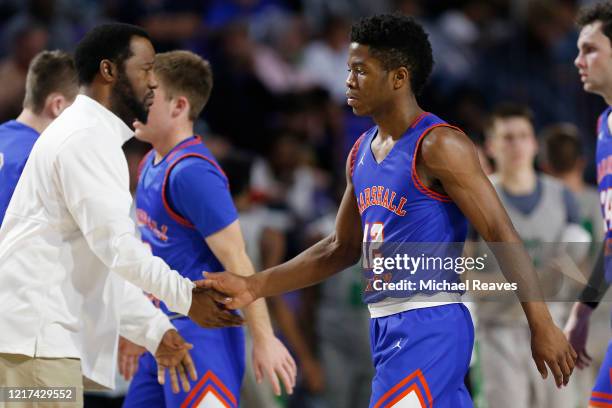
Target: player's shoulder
[[445, 138], [195, 163]]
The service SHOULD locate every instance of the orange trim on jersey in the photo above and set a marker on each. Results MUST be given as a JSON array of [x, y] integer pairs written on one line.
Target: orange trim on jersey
[[415, 177], [212, 378], [177, 149], [418, 119], [354, 151], [143, 161], [211, 389], [408, 390], [175, 216], [416, 375], [603, 395], [599, 404]]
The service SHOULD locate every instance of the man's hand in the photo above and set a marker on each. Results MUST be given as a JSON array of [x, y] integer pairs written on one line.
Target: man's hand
[[236, 287], [173, 355], [129, 353], [550, 347], [207, 312], [271, 359], [577, 331]]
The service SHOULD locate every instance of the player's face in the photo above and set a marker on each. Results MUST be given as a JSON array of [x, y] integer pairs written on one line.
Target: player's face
[[159, 120], [594, 60], [132, 94], [368, 83], [513, 143]]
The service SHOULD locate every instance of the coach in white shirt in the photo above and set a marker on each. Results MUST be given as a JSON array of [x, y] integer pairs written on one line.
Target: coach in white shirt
[[67, 229]]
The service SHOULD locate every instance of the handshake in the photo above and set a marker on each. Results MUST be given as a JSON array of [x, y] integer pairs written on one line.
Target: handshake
[[214, 296], [211, 307]]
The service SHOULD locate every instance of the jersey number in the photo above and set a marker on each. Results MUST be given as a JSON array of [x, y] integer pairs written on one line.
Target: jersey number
[[373, 237], [1, 160], [605, 198]]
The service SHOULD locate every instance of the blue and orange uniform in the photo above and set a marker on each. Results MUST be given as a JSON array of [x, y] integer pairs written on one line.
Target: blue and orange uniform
[[602, 391], [181, 200], [16, 142], [421, 339]]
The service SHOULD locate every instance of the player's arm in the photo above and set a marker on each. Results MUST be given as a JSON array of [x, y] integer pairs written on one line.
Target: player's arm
[[449, 158], [332, 254], [270, 357], [200, 193], [577, 327]]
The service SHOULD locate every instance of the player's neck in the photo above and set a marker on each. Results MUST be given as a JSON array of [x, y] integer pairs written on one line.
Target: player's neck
[[393, 120], [36, 122], [165, 144], [519, 182]]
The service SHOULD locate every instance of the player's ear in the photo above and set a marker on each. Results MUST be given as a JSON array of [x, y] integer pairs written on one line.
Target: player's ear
[[55, 104], [401, 78], [181, 106], [108, 70]]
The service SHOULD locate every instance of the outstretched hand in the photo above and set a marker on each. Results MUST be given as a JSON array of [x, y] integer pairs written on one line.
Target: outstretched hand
[[173, 355], [207, 311], [549, 347], [271, 359], [128, 356], [232, 290]]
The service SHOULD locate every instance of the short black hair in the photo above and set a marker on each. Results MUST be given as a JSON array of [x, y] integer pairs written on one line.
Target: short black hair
[[597, 12], [562, 147], [397, 40], [107, 41]]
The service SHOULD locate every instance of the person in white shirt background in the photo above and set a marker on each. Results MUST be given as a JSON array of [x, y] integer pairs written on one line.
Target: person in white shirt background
[[67, 227]]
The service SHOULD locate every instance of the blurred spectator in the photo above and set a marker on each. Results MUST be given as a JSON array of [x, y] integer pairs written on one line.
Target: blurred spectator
[[240, 107], [277, 64], [171, 24], [325, 60], [563, 157], [543, 212], [537, 61], [25, 40], [224, 12], [288, 179]]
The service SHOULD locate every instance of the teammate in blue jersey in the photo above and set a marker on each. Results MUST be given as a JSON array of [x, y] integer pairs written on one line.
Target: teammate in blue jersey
[[51, 86], [411, 179], [594, 63], [186, 214]]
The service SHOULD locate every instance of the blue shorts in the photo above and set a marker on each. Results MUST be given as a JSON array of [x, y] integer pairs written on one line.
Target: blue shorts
[[601, 396], [218, 355], [421, 357]]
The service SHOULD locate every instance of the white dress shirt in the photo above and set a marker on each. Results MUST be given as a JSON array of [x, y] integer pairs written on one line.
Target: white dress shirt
[[66, 228]]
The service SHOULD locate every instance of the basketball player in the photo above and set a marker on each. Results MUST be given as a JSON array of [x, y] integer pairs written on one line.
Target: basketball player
[[186, 214], [543, 212], [412, 178], [51, 86], [594, 63]]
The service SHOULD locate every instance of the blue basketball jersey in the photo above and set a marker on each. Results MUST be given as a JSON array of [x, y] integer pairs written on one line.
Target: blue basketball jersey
[[397, 208], [604, 181], [16, 142], [172, 236]]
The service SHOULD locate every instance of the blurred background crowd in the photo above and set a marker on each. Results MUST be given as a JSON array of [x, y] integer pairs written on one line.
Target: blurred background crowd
[[278, 123]]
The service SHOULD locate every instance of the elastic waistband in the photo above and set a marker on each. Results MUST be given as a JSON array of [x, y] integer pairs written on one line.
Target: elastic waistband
[[391, 306]]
